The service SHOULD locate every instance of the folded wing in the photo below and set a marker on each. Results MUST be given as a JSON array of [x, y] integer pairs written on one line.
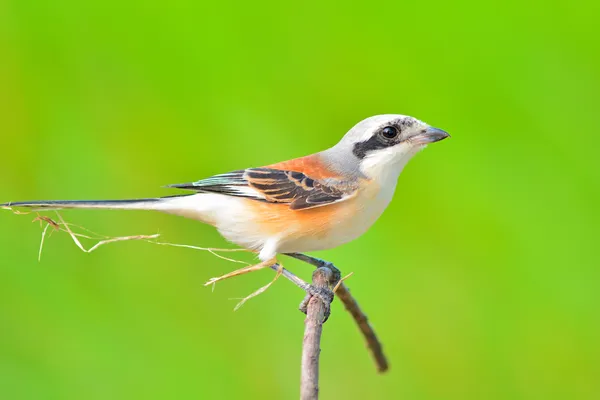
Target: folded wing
[[276, 186]]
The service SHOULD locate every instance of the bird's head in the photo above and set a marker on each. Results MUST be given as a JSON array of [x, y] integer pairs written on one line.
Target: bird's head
[[382, 145]]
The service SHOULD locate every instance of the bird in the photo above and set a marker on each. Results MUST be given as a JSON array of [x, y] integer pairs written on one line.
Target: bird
[[306, 204]]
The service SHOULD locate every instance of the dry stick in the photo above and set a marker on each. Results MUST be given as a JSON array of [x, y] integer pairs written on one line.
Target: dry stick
[[311, 348], [373, 343], [353, 308]]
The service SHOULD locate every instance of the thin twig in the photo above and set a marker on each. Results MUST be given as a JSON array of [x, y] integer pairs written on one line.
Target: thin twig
[[311, 345], [102, 242], [260, 290], [373, 343]]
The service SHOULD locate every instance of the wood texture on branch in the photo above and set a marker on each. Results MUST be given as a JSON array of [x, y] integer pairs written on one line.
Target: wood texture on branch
[[373, 343], [311, 346]]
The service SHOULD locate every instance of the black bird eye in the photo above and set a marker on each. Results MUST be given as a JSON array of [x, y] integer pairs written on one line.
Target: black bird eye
[[389, 132]]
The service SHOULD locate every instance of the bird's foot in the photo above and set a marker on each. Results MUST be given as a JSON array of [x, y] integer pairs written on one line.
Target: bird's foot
[[319, 263], [324, 294]]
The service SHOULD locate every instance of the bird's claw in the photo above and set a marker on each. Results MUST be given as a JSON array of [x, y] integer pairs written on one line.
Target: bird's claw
[[324, 294], [337, 274]]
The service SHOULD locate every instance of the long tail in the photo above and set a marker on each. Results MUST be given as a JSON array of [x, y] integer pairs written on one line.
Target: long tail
[[195, 206], [159, 204]]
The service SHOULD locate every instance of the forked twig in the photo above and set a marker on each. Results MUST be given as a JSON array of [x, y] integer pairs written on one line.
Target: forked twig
[[343, 293]]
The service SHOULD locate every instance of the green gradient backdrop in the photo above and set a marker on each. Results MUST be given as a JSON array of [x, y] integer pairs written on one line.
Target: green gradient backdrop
[[482, 278]]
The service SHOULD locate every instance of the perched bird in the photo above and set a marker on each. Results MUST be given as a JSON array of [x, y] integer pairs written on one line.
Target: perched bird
[[306, 204]]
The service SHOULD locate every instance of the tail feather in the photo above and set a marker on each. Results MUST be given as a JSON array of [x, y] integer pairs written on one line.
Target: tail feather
[[129, 204], [194, 206]]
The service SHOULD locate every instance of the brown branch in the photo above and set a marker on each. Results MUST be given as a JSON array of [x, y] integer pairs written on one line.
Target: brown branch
[[311, 348], [373, 343]]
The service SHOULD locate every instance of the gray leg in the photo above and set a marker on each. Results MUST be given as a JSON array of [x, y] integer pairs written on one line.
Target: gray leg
[[326, 295], [319, 263]]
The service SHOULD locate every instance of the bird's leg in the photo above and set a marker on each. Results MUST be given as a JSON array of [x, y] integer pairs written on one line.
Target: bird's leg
[[242, 271], [290, 276], [319, 263], [326, 295]]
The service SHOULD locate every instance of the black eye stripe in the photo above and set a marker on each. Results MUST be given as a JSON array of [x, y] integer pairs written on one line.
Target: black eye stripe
[[361, 149], [376, 142]]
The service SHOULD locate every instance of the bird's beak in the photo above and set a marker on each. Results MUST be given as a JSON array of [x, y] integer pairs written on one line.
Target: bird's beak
[[430, 135]]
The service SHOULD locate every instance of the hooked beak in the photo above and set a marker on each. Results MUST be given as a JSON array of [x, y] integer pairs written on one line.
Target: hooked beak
[[430, 135]]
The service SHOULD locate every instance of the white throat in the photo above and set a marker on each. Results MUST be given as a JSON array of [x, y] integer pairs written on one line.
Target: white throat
[[384, 166]]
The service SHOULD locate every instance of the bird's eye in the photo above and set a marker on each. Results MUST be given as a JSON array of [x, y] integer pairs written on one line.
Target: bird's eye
[[389, 132]]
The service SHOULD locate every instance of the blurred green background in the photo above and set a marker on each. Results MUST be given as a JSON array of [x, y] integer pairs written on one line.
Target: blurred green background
[[482, 278]]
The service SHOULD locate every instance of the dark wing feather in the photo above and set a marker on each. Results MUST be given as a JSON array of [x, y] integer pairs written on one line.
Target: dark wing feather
[[276, 186]]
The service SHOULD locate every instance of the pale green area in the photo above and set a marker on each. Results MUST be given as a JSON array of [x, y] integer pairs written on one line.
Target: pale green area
[[482, 278]]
